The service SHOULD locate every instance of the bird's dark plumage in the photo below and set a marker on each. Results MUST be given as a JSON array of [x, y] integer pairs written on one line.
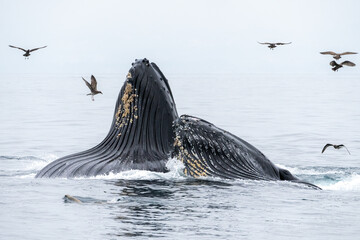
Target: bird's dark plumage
[[34, 49], [282, 43], [348, 63], [336, 65], [92, 87], [335, 55], [27, 52], [335, 146], [17, 48], [273, 45]]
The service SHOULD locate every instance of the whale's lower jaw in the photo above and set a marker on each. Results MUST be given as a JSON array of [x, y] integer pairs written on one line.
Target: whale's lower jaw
[[91, 165], [114, 154]]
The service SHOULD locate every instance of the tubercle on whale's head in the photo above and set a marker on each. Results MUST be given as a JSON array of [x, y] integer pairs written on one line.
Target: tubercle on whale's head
[[146, 78], [144, 69]]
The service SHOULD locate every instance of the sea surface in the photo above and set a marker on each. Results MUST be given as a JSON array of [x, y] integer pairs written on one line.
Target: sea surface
[[288, 117]]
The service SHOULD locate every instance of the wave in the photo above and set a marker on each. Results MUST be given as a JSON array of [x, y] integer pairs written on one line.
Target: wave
[[351, 183], [174, 166], [328, 178], [24, 166]]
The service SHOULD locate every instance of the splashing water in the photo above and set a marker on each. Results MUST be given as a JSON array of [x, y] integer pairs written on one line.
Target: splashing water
[[328, 178]]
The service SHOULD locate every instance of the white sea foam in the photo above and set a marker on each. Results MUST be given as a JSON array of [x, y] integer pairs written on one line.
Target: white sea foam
[[25, 166], [34, 165], [312, 171], [348, 182], [351, 183], [40, 162], [174, 166], [48, 157], [31, 175]]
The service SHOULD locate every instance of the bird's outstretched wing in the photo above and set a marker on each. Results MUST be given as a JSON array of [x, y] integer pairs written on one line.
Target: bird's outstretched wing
[[93, 83], [87, 84], [37, 48], [334, 64], [17, 48], [326, 146], [348, 63], [267, 43], [342, 145], [328, 53], [282, 43], [346, 53]]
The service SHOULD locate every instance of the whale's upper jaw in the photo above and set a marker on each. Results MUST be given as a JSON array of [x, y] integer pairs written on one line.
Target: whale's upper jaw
[[147, 79], [144, 73]]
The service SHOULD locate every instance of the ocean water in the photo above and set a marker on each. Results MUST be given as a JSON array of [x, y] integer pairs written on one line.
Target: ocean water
[[288, 117]]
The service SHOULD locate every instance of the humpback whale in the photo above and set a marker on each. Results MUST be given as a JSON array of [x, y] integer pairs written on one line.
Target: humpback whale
[[146, 131]]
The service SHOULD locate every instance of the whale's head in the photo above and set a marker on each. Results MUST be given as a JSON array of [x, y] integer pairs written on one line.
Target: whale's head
[[144, 114]]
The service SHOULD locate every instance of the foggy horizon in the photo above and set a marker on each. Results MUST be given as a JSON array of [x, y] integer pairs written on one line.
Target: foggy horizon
[[89, 37]]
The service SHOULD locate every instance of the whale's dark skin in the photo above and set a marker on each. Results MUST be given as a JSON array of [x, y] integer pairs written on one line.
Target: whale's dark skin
[[146, 131]]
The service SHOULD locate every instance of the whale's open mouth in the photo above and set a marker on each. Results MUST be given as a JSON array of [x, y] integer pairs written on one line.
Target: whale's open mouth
[[146, 131], [140, 136]]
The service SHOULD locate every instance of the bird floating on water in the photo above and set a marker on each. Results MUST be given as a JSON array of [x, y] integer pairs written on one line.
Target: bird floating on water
[[92, 87], [273, 45], [336, 65], [27, 52], [335, 146], [337, 56], [69, 198]]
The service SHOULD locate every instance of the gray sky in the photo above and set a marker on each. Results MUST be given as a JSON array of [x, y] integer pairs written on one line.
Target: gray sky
[[181, 36]]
